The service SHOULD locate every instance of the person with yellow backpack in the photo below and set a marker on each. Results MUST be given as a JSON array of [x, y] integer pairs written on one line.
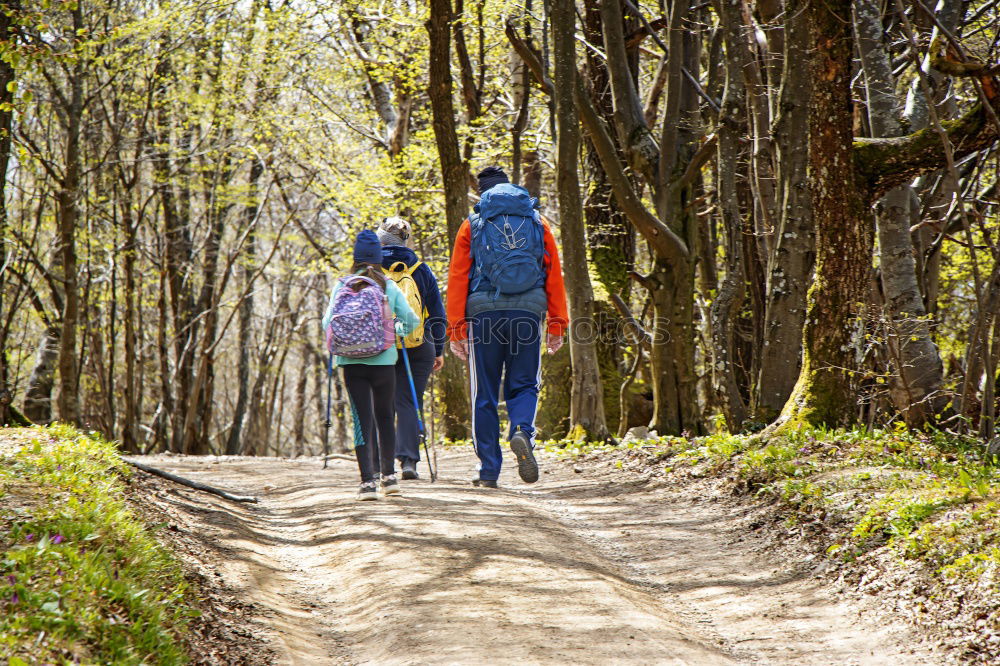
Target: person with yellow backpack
[[424, 345]]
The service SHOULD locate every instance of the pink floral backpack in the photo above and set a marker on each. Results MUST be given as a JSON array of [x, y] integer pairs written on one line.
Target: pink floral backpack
[[361, 322]]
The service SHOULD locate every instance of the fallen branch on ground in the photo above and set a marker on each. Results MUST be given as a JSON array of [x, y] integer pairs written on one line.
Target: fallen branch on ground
[[191, 484]]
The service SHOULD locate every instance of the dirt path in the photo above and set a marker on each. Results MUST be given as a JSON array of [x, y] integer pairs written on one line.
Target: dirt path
[[576, 569]]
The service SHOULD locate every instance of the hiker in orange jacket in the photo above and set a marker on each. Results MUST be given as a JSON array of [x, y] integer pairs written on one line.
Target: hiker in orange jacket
[[504, 278]]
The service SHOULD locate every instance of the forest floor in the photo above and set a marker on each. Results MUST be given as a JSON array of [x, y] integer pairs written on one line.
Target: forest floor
[[592, 565]]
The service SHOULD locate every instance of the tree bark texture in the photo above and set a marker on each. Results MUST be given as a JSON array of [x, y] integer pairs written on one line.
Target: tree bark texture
[[825, 393], [454, 172], [791, 261], [587, 398], [69, 192], [731, 293], [916, 383], [671, 232], [454, 176], [38, 395], [629, 118], [610, 237], [7, 77]]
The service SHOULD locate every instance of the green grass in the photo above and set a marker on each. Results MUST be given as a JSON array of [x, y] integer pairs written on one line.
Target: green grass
[[927, 496], [81, 577]]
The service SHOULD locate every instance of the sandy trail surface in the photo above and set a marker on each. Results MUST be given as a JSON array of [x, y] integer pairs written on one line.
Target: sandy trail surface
[[581, 568]]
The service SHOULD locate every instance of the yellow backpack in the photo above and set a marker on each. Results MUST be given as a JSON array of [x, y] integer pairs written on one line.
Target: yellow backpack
[[403, 277]]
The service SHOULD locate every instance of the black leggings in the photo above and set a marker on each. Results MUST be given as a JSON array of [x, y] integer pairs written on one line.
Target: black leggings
[[372, 389]]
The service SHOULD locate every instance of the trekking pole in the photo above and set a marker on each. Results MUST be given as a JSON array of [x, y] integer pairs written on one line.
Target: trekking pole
[[419, 411], [434, 451], [326, 426]]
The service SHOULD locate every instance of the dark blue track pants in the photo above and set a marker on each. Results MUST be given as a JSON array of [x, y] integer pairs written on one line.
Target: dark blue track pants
[[505, 344], [407, 431]]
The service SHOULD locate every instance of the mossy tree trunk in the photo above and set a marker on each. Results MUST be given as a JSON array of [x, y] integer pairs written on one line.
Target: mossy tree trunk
[[846, 176], [610, 237], [825, 391], [667, 165]]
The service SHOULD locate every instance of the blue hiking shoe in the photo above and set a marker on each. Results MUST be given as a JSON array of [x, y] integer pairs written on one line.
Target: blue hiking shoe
[[527, 466]]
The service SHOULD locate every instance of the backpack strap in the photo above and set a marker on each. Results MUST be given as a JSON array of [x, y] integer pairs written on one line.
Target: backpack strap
[[395, 267], [415, 266]]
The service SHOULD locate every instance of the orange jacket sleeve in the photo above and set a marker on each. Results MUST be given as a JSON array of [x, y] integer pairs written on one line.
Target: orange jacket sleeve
[[458, 282], [555, 288]]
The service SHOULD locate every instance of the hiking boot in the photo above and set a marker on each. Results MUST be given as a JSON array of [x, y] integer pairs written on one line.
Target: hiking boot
[[390, 486], [484, 483], [409, 470], [367, 491], [527, 466]]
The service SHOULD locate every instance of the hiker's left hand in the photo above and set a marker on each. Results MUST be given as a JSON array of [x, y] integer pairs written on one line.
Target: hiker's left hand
[[554, 342], [438, 363]]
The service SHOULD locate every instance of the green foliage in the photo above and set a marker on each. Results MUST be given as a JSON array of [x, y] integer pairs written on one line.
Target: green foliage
[[927, 496], [80, 575]]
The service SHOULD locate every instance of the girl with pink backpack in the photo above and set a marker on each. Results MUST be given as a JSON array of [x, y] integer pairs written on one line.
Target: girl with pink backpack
[[365, 315]]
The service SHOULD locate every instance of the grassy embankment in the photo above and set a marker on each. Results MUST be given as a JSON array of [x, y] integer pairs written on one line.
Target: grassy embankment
[[922, 507], [927, 496], [81, 577]]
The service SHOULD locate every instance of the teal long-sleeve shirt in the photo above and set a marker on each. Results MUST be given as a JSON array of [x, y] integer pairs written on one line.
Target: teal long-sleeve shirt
[[406, 321]]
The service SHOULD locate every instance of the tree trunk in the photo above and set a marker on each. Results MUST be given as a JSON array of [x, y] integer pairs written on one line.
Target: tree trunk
[[825, 393], [38, 394], [672, 357], [915, 386], [610, 237], [301, 403], [7, 77], [69, 192], [130, 418], [234, 442], [586, 397], [454, 172], [726, 305], [455, 180], [161, 426], [532, 179], [671, 232], [522, 100], [629, 116], [741, 43], [674, 379], [178, 251], [791, 261]]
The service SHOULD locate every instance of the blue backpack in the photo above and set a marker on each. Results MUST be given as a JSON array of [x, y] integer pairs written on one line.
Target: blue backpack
[[508, 243]]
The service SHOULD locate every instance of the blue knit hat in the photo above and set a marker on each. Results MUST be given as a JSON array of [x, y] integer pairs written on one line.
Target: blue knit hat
[[367, 248], [491, 176]]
